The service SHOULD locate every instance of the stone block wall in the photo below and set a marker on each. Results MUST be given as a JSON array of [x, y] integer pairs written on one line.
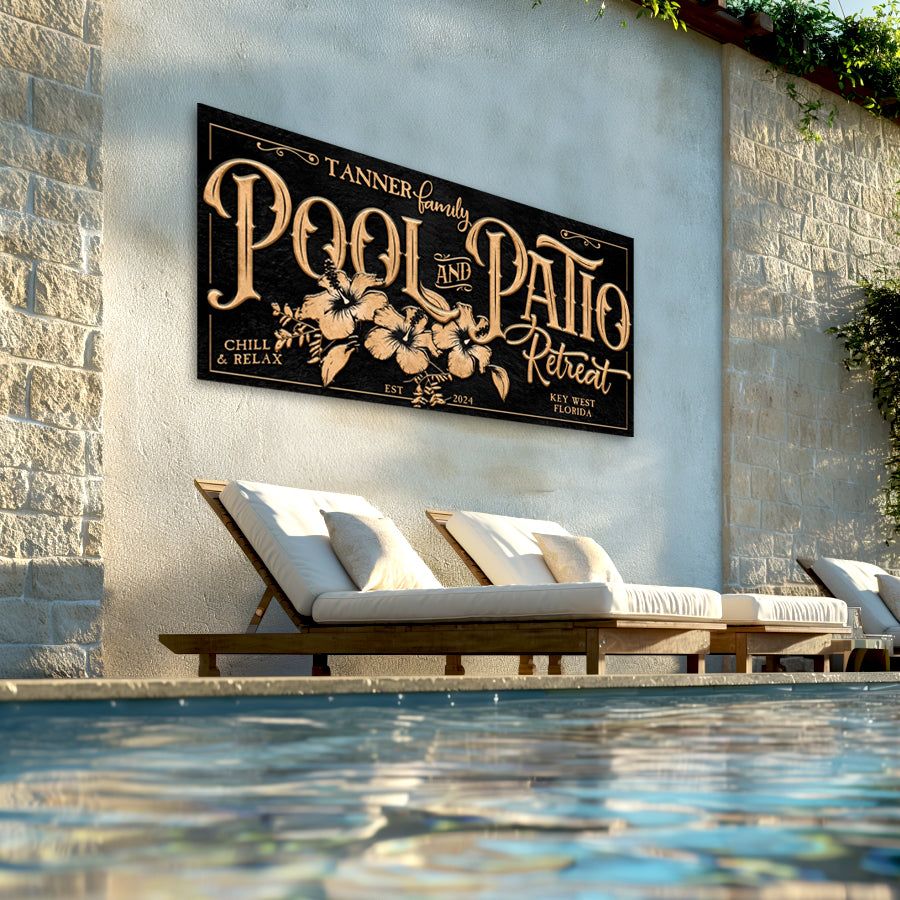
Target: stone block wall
[[51, 342], [803, 444]]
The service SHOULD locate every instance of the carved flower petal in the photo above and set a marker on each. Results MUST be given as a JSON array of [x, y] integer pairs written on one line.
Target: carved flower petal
[[412, 361], [381, 343], [369, 304], [337, 324]]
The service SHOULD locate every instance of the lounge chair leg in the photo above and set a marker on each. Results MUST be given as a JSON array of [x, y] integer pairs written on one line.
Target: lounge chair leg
[[208, 666], [554, 664], [595, 661], [526, 664], [696, 664], [453, 664], [822, 663], [320, 664]]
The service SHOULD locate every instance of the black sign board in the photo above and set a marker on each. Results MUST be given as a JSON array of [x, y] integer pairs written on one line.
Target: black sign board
[[330, 272]]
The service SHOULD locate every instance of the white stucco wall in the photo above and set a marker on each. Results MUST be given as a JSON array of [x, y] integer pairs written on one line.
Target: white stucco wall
[[620, 128]]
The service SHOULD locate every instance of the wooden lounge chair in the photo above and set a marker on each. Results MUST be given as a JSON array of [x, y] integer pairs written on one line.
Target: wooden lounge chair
[[756, 625], [511, 620], [857, 584]]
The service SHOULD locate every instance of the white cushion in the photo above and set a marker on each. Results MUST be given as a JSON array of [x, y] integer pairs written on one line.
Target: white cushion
[[856, 583], [889, 590], [511, 602], [286, 528], [751, 609], [503, 546], [375, 554], [572, 558]]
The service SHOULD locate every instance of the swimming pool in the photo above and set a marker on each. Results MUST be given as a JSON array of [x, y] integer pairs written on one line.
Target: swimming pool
[[787, 791]]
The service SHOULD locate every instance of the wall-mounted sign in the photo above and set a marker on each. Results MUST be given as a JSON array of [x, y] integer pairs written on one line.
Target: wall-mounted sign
[[325, 271]]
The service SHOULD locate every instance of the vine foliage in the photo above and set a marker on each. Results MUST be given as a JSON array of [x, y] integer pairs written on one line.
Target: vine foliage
[[872, 341]]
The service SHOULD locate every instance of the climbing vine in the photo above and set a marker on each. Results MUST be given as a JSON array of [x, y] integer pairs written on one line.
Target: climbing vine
[[872, 341]]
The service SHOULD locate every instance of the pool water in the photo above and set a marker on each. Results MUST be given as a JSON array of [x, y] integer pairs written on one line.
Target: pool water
[[770, 792]]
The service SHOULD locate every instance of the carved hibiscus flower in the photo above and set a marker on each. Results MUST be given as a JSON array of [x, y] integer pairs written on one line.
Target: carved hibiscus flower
[[456, 337], [343, 303], [403, 336]]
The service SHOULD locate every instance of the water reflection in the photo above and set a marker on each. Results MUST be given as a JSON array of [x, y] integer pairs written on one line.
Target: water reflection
[[721, 794]]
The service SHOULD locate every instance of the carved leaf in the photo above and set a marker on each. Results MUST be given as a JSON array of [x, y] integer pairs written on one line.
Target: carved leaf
[[501, 380], [335, 360]]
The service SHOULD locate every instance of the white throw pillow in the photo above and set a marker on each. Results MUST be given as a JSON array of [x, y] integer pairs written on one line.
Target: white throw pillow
[[889, 590], [577, 559], [375, 554]]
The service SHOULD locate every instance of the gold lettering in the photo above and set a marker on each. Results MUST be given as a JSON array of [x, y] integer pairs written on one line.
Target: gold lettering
[[623, 326], [303, 228], [496, 292], [573, 259], [281, 206], [360, 237], [548, 298]]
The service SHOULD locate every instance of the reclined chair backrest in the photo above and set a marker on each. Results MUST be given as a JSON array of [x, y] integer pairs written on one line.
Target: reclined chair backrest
[[286, 528], [856, 583]]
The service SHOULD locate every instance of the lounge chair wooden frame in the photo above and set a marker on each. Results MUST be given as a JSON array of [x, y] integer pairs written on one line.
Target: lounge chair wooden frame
[[591, 638], [741, 641]]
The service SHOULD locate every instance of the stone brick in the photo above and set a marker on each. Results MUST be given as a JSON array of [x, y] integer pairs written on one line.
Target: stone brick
[[43, 448], [30, 536], [797, 460], [830, 211], [764, 484], [818, 521], [60, 495], [780, 517], [67, 203], [15, 275], [76, 623], [773, 162], [68, 579], [66, 398], [95, 76], [865, 223], [13, 96], [13, 189], [768, 332], [772, 424], [811, 178], [758, 184], [850, 497], [62, 15], [25, 235], [784, 221], [13, 387], [795, 252], [748, 356], [94, 256], [836, 408], [760, 392], [789, 489], [754, 451], [743, 513], [94, 352], [94, 454], [741, 151], [93, 497], [801, 401], [25, 621], [13, 488], [814, 231], [795, 199], [43, 52], [43, 661], [738, 480], [66, 112], [752, 573], [752, 239], [13, 577], [845, 439], [93, 538], [67, 294], [56, 157], [816, 492], [49, 340]]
